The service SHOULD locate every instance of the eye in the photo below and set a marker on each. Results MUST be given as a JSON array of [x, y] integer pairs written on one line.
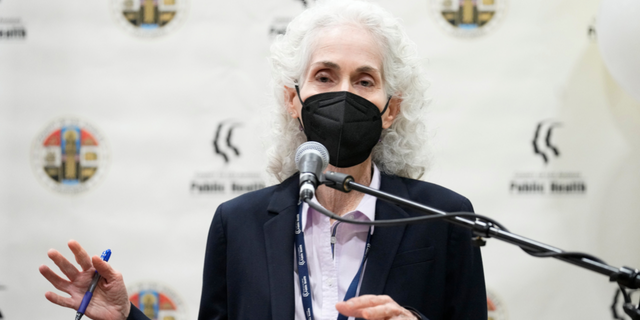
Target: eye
[[366, 83], [323, 77]]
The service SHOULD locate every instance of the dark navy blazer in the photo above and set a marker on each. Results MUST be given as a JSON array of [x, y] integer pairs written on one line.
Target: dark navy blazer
[[431, 267]]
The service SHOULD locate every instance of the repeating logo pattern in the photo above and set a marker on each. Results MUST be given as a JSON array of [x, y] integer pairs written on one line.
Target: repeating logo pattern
[[149, 18], [307, 3], [301, 261], [544, 181], [69, 155], [157, 301], [222, 144], [495, 307], [232, 177], [279, 24], [468, 18], [305, 287], [298, 224], [542, 145], [12, 29]]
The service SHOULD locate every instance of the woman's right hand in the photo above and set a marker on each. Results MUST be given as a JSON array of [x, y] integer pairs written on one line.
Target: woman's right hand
[[110, 300]]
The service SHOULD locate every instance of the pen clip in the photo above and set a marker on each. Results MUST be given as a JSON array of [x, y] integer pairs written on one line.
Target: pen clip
[[106, 255]]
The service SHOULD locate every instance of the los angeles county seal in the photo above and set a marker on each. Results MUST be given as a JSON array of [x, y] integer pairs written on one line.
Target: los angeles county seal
[[468, 18], [149, 18], [157, 301], [495, 307], [69, 156]]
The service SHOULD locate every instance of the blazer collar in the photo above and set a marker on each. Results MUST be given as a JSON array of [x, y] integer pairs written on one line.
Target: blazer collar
[[386, 240], [278, 241]]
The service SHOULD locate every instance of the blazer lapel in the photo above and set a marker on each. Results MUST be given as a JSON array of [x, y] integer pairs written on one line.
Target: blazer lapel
[[278, 237], [385, 240]]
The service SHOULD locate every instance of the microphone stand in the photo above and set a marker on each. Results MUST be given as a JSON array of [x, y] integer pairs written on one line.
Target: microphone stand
[[626, 277]]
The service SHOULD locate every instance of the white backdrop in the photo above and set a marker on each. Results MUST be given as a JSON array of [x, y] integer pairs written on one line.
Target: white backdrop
[[157, 98]]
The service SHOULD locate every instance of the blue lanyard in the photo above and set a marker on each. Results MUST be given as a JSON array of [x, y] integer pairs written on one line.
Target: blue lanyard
[[303, 270]]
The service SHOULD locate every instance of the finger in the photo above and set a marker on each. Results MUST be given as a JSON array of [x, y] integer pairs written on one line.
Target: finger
[[82, 258], [65, 266], [61, 301], [355, 307], [368, 300], [104, 269], [384, 311], [347, 309], [56, 281]]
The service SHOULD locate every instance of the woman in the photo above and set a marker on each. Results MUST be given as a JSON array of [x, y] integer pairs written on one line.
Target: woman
[[345, 75]]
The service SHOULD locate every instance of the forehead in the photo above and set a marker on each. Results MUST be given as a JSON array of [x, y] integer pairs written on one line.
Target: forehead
[[348, 47]]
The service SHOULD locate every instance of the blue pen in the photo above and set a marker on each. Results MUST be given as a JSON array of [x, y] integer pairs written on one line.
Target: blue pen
[[94, 283]]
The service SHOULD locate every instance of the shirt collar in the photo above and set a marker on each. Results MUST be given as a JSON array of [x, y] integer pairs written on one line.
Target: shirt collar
[[366, 207]]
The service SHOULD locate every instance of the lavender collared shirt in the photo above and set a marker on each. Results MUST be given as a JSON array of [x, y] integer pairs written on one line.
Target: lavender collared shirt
[[329, 275]]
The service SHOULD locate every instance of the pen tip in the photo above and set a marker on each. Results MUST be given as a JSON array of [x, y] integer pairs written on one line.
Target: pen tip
[[78, 315]]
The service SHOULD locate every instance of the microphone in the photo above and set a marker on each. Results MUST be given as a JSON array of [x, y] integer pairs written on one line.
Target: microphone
[[311, 159]]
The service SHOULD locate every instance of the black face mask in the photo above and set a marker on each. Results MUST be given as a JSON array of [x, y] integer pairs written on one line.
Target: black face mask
[[348, 125]]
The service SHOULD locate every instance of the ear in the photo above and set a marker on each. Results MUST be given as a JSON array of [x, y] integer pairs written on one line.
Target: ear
[[291, 102], [392, 112]]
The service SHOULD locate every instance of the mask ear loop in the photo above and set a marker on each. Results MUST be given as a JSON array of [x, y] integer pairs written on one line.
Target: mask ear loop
[[383, 111], [302, 103], [298, 92], [385, 106]]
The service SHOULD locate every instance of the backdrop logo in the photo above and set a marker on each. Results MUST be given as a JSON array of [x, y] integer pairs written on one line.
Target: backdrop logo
[[69, 155], [279, 24], [12, 29], [495, 307], [618, 311], [307, 3], [546, 182], [222, 144], [468, 18], [233, 174], [157, 302], [149, 18], [542, 145]]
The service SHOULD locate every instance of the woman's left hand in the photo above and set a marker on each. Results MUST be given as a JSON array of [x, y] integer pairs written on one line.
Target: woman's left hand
[[374, 307]]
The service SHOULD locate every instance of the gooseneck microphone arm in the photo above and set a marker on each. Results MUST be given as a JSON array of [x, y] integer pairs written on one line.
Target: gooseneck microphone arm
[[484, 227]]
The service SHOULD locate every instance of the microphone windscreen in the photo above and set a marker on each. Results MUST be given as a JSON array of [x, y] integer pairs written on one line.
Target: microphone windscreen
[[312, 147]]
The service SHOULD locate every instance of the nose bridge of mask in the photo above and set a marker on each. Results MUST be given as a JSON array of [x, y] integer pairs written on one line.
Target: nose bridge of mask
[[330, 106], [349, 96]]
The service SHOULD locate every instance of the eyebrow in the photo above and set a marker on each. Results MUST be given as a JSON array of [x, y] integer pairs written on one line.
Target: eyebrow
[[367, 69], [335, 66], [329, 64]]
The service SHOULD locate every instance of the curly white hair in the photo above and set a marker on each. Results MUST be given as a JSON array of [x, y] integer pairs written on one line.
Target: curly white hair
[[401, 150]]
